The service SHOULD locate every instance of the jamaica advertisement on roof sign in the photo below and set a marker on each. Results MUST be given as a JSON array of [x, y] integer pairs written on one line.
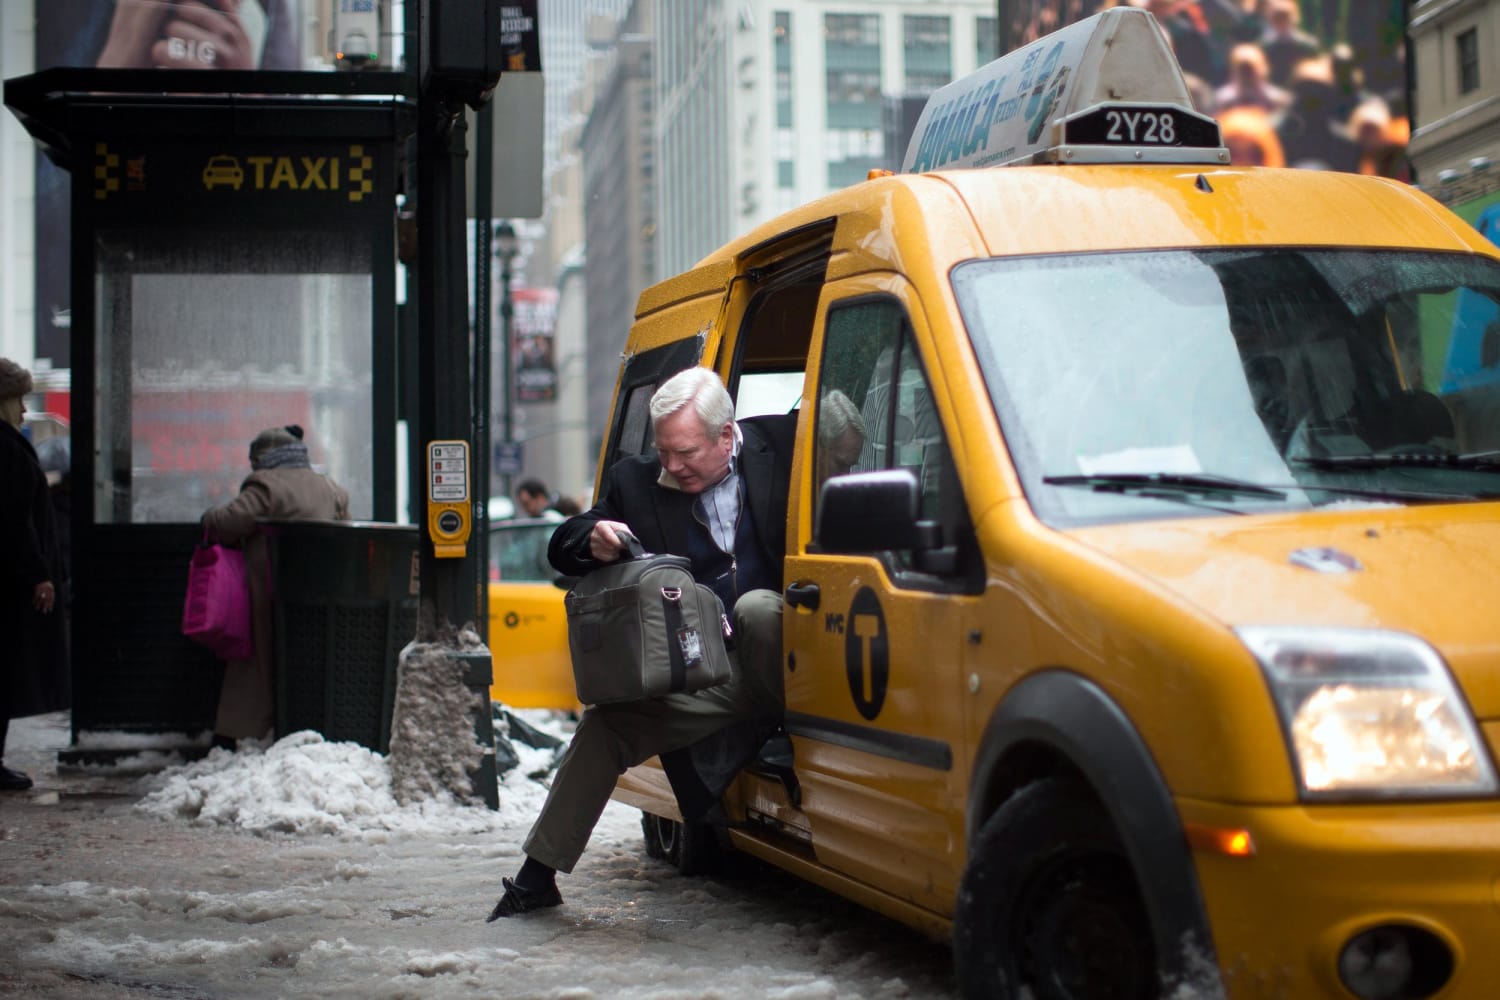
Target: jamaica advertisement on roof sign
[[1013, 109]]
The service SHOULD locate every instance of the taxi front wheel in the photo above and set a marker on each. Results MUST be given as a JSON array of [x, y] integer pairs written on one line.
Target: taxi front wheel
[[1049, 904]]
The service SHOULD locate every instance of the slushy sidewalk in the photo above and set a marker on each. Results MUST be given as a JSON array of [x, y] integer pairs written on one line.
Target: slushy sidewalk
[[289, 872]]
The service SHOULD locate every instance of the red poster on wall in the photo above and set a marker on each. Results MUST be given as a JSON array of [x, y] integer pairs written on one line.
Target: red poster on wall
[[532, 325], [200, 439]]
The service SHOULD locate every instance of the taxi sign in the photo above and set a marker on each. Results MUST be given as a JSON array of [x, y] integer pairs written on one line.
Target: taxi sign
[[1104, 89]]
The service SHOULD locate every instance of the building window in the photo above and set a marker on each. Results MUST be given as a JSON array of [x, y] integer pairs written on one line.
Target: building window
[[786, 174], [986, 40], [852, 60], [1468, 61], [929, 53], [781, 41]]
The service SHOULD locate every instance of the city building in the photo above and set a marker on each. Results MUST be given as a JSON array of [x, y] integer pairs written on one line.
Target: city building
[[1455, 145], [554, 433], [762, 106], [619, 196], [704, 120]]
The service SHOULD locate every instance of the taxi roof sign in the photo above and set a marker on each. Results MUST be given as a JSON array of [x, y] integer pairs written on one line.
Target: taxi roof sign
[[1105, 89]]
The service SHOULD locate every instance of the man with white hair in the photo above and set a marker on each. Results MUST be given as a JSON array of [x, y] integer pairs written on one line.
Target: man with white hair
[[716, 492]]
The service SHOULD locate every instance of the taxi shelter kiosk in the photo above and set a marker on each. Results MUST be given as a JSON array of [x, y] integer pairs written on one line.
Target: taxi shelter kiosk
[[233, 268]]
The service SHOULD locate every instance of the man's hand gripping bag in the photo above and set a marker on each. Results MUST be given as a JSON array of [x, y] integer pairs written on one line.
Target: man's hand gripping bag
[[643, 627]]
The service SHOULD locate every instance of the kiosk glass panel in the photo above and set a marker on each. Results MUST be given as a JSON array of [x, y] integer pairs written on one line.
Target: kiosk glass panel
[[204, 341]]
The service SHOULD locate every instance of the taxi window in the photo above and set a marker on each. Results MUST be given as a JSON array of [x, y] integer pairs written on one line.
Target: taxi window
[[518, 552], [761, 393], [635, 421], [1174, 383], [875, 408]]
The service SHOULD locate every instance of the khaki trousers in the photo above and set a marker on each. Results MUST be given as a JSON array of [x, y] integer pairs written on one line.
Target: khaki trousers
[[612, 738]]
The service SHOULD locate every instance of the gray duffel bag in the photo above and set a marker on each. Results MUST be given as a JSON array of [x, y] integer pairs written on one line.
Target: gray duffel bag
[[642, 627]]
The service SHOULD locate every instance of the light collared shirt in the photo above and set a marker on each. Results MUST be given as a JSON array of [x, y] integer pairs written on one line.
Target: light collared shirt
[[719, 507]]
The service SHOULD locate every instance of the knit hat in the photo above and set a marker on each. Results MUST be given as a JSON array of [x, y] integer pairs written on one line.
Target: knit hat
[[15, 381], [274, 437]]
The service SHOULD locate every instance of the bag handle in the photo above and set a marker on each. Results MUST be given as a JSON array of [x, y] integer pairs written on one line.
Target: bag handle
[[637, 551]]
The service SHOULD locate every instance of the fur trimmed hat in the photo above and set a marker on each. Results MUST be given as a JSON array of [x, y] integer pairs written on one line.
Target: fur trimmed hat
[[15, 381]]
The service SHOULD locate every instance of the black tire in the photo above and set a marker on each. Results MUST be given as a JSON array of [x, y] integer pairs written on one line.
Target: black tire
[[1049, 903], [691, 849], [659, 841], [698, 851]]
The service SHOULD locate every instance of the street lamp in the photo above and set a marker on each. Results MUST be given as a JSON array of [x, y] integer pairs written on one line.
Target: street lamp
[[506, 248]]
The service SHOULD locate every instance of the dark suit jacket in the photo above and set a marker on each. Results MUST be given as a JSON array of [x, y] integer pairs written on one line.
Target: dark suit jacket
[[661, 517]]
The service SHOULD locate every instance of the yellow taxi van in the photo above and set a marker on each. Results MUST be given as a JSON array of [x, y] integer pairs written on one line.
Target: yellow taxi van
[[1141, 635]]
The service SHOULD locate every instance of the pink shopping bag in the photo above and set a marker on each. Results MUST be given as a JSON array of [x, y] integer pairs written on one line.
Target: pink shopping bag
[[216, 612]]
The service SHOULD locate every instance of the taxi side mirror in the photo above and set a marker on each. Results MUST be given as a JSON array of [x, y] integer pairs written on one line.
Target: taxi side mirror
[[873, 512]]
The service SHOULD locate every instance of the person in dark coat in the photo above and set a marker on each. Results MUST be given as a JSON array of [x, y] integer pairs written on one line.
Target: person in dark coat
[[282, 486], [34, 665], [715, 491]]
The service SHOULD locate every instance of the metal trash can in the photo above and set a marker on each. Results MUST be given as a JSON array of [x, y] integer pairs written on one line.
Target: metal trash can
[[133, 670], [344, 603]]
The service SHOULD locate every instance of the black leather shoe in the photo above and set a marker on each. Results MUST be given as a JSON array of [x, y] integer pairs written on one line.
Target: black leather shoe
[[15, 781], [518, 900]]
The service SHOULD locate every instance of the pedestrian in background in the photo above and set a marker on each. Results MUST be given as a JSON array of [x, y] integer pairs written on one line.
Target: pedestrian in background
[[282, 486], [535, 500], [33, 668]]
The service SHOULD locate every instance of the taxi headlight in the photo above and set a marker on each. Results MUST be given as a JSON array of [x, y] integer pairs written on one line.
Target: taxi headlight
[[1368, 712]]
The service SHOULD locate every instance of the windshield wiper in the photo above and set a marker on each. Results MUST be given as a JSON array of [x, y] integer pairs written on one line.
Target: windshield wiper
[[1488, 461], [1184, 487], [1168, 485]]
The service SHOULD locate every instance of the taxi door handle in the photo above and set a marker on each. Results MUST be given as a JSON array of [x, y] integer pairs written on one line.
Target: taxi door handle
[[802, 595]]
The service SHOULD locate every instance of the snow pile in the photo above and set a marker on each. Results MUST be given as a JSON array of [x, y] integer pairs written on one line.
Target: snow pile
[[305, 784], [433, 750], [111, 739]]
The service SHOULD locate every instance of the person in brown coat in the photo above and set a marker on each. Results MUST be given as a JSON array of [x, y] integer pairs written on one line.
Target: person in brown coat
[[282, 486], [34, 674]]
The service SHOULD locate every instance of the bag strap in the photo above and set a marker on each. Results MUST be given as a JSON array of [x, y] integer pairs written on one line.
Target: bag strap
[[672, 610]]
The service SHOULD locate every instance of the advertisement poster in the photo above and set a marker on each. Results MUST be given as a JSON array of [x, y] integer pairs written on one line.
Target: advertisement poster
[[520, 39], [532, 325], [140, 34], [1319, 84], [183, 466]]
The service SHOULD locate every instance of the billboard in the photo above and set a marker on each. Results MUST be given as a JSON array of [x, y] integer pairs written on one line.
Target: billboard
[[533, 321], [1319, 84]]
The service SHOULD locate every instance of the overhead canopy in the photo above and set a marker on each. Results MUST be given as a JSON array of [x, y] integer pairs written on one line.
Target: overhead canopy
[[59, 104]]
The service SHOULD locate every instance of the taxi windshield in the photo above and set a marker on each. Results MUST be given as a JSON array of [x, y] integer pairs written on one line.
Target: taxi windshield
[[1164, 383]]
